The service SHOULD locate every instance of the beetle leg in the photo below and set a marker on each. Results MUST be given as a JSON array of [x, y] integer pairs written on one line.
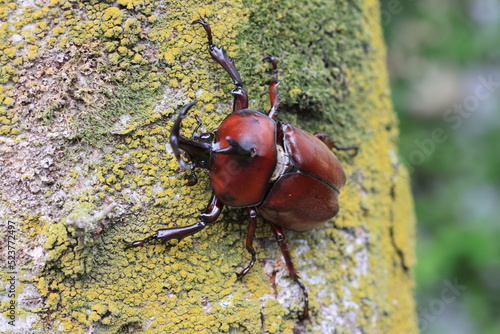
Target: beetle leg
[[217, 53], [249, 241], [210, 215], [273, 87], [332, 144], [280, 237]]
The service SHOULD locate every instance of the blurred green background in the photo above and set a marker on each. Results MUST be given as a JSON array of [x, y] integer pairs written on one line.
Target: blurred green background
[[444, 62]]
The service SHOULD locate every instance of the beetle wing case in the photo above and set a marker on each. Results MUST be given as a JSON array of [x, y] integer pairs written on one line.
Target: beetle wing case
[[241, 181], [306, 195]]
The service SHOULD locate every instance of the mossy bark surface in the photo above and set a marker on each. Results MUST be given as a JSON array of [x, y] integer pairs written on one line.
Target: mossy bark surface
[[89, 92]]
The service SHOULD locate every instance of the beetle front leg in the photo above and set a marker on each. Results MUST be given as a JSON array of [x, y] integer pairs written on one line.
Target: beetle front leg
[[280, 237], [273, 88], [249, 241], [210, 215], [194, 177], [217, 53]]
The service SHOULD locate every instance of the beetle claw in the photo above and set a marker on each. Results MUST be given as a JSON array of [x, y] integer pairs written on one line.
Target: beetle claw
[[131, 244], [207, 29], [201, 21], [273, 61]]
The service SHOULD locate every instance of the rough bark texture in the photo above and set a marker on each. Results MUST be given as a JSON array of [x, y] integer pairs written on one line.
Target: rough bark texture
[[89, 90]]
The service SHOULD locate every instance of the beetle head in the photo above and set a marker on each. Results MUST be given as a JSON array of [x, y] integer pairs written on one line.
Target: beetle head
[[200, 147]]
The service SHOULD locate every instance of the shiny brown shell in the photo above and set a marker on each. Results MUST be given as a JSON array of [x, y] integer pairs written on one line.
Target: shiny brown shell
[[242, 181], [306, 195]]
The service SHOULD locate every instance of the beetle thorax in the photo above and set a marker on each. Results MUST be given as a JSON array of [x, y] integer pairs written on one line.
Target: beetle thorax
[[244, 158]]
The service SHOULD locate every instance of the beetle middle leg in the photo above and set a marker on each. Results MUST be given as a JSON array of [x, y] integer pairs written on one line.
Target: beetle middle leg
[[217, 53], [280, 237], [332, 144], [210, 215], [249, 241]]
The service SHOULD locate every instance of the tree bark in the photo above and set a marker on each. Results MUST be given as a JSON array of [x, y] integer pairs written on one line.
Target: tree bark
[[89, 94]]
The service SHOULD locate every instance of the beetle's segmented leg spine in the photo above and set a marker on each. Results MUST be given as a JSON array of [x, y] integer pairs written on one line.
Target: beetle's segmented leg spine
[[218, 53]]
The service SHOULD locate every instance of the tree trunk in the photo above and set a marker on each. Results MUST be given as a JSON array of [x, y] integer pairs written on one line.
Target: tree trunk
[[89, 93]]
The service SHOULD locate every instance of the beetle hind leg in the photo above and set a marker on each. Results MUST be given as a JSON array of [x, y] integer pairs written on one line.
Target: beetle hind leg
[[280, 237], [218, 53]]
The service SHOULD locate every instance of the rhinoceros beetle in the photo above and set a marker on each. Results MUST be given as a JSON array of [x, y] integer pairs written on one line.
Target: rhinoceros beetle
[[276, 171]]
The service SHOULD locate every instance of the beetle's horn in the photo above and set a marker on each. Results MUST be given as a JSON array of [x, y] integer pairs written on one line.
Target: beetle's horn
[[196, 150], [235, 148], [175, 134]]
